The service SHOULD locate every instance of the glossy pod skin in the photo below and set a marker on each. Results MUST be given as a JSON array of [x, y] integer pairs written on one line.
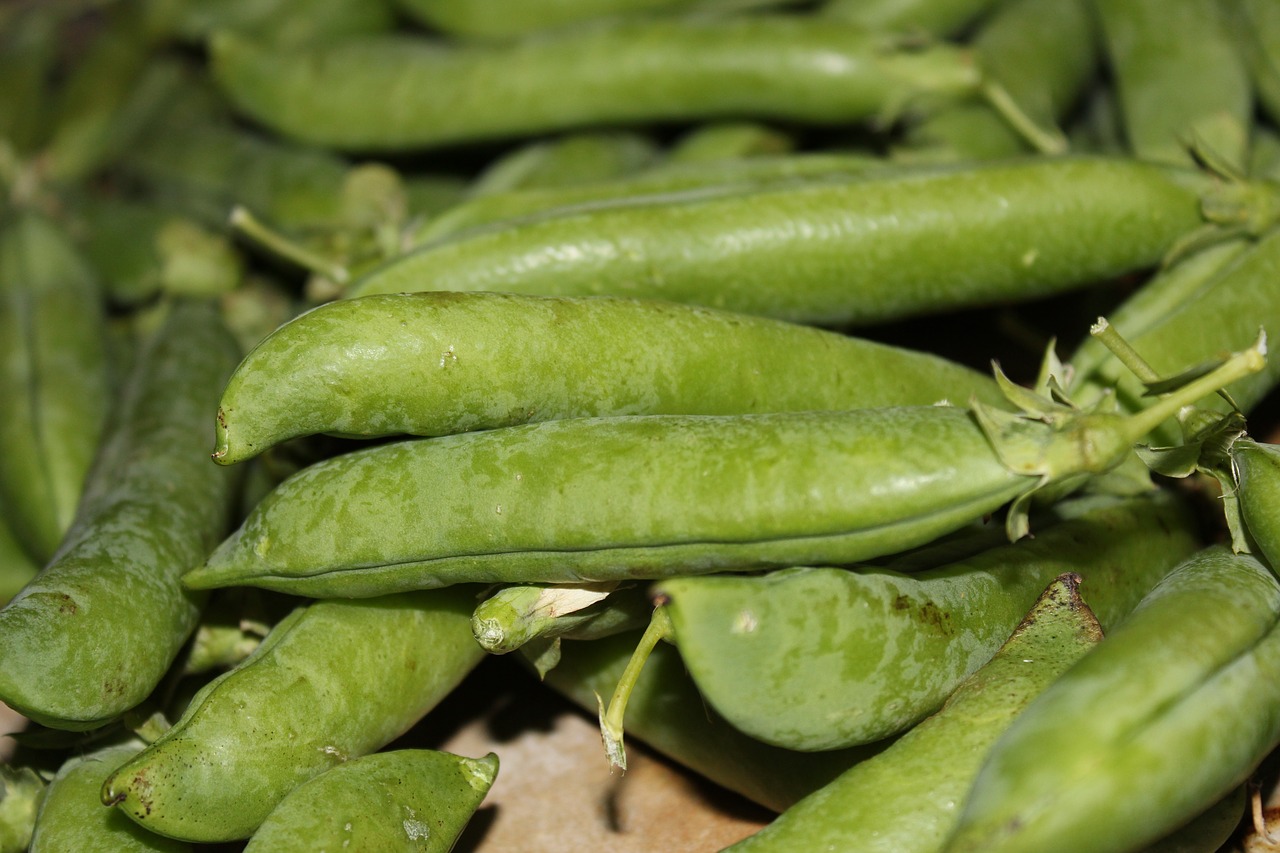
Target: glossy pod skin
[[644, 497], [1180, 74], [438, 363], [1167, 715], [904, 799], [807, 70], [71, 817], [408, 799], [783, 659], [54, 378], [667, 713], [871, 249], [75, 655], [333, 681]]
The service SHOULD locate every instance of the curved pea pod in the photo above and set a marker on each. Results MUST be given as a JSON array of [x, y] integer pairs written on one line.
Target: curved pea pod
[[331, 682], [72, 818], [904, 799], [820, 658], [504, 19], [1168, 714], [53, 378], [666, 712], [438, 363], [1225, 310], [91, 635], [1180, 76], [672, 176], [874, 248], [416, 799], [1256, 470], [794, 68]]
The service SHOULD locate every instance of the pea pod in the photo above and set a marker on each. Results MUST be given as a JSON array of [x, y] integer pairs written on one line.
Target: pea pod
[[284, 22], [1180, 75], [1166, 716], [72, 818], [1256, 468], [379, 802], [76, 654], [573, 159], [729, 140], [21, 790], [914, 638], [439, 363], [929, 17], [331, 682], [794, 68], [668, 714], [1255, 25], [903, 799], [874, 249], [53, 378], [27, 51]]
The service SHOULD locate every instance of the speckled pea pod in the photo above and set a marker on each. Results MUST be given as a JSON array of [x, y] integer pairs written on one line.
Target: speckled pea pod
[[91, 636], [871, 249], [53, 378], [438, 363], [667, 712], [904, 799], [409, 799], [1167, 715], [1180, 75], [331, 682], [794, 68], [818, 658], [643, 497], [720, 177], [505, 19], [1224, 311], [71, 816]]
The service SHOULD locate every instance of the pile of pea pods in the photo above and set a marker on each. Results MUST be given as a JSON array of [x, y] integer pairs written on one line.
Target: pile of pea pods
[[864, 403]]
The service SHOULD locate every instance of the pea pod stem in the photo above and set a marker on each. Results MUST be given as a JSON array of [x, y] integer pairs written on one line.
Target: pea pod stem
[[1107, 335], [246, 223], [611, 718]]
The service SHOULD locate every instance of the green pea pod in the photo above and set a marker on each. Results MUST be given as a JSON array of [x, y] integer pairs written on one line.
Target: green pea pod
[[505, 19], [928, 17], [92, 635], [381, 802], [914, 638], [667, 712], [673, 176], [1255, 24], [21, 790], [1173, 710], [1208, 832], [72, 818], [875, 248], [16, 566], [331, 682], [28, 49], [1227, 308], [440, 363], [794, 68], [1180, 76], [574, 159], [284, 22], [904, 799], [1256, 468], [53, 378]]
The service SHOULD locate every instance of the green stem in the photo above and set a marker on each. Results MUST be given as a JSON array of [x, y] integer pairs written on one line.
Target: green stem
[[253, 228], [1123, 350], [1042, 140], [611, 719]]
